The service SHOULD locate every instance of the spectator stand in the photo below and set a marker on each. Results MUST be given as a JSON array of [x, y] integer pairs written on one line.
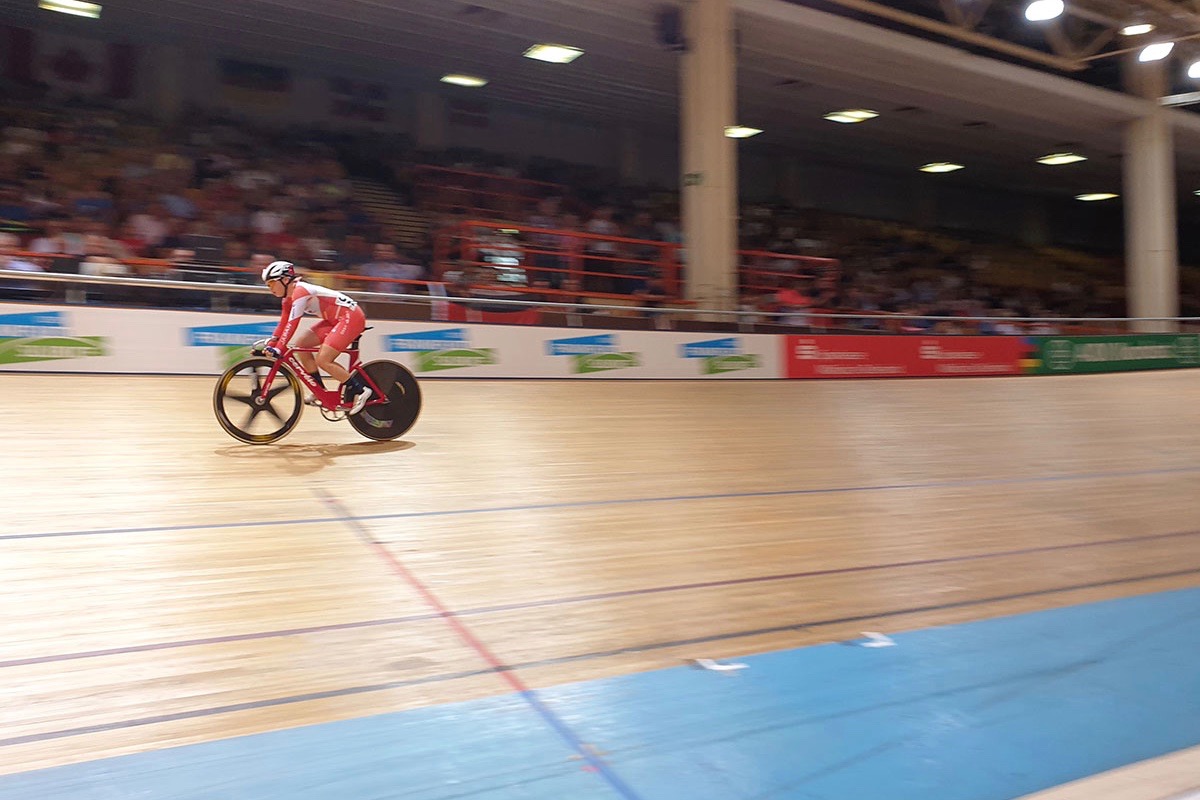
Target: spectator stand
[[447, 190]]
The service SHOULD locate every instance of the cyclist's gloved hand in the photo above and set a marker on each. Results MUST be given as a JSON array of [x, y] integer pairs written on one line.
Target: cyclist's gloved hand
[[258, 347], [272, 352]]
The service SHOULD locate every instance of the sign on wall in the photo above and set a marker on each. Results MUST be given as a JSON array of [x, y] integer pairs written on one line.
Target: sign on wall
[[140, 341], [1064, 355], [903, 356], [38, 337], [93, 339]]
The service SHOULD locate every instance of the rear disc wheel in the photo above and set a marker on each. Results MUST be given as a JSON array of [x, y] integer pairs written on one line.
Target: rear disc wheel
[[383, 421]]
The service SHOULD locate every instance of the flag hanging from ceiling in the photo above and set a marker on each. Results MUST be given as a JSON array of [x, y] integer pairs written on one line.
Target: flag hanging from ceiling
[[249, 84], [72, 64]]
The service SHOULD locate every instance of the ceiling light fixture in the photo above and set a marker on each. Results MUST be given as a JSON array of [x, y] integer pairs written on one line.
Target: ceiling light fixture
[[1042, 10], [1137, 29], [464, 80], [1058, 159], [941, 166], [1156, 52], [553, 53], [741, 131], [851, 115], [1094, 196], [76, 8]]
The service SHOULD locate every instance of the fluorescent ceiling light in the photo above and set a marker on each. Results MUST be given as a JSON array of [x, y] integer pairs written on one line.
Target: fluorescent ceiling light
[[941, 166], [852, 115], [1156, 52], [741, 131], [1137, 29], [75, 7], [1057, 159], [464, 80], [1042, 10], [554, 53], [1194, 70], [1094, 196]]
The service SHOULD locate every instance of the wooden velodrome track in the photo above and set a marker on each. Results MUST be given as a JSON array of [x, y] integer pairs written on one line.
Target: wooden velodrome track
[[154, 567]]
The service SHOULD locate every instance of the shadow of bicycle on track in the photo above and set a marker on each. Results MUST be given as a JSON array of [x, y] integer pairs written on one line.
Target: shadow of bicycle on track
[[307, 459]]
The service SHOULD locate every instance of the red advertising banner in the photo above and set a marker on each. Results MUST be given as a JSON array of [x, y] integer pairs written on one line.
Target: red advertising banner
[[903, 356], [526, 316]]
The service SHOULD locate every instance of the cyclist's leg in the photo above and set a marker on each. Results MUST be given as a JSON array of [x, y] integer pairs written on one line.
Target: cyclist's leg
[[311, 338], [325, 359], [347, 328]]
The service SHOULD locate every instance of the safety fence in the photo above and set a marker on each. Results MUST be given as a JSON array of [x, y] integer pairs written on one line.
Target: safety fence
[[610, 267]]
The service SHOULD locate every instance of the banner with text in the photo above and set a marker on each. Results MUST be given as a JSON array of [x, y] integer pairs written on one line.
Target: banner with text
[[93, 339], [1065, 355], [903, 356], [141, 341]]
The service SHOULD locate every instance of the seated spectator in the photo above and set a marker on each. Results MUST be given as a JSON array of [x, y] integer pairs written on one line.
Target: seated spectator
[[132, 241], [93, 201], [42, 201], [236, 253], [652, 295], [354, 253], [793, 303], [178, 203], [645, 269], [601, 224], [386, 264], [151, 225], [546, 217], [571, 288], [13, 206], [102, 255], [51, 241], [10, 245], [73, 234]]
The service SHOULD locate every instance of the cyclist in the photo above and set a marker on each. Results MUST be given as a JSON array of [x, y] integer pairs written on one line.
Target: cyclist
[[341, 322]]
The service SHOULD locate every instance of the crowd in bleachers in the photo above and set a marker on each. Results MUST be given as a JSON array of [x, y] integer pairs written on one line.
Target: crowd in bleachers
[[100, 191], [884, 267], [117, 194]]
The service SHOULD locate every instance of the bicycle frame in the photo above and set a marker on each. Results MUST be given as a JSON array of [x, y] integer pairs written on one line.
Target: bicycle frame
[[330, 399]]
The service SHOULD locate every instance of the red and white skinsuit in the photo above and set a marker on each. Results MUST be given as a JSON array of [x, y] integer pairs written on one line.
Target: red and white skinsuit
[[342, 321]]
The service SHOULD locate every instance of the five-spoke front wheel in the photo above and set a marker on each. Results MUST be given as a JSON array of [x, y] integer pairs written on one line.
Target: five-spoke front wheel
[[249, 414]]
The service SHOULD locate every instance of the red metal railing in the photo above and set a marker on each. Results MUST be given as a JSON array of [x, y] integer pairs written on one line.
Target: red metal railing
[[605, 265]]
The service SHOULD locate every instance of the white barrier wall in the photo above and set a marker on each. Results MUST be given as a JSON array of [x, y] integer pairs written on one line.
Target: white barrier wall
[[116, 340]]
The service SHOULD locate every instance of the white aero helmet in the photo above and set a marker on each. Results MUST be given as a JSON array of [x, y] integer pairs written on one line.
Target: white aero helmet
[[278, 270]]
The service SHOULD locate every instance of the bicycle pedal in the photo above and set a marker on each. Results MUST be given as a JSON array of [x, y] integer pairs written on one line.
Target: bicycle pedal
[[333, 416]]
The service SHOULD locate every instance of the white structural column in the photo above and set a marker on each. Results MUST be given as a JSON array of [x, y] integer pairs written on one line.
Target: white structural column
[[1151, 257], [709, 158]]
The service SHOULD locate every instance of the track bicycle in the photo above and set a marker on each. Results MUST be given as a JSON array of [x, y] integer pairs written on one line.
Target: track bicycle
[[259, 400]]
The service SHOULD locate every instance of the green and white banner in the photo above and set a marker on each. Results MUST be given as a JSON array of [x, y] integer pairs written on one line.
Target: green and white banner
[[111, 340], [1066, 355], [45, 335]]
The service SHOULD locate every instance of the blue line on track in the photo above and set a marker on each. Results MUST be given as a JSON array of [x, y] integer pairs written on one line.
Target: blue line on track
[[552, 602], [966, 483], [637, 648]]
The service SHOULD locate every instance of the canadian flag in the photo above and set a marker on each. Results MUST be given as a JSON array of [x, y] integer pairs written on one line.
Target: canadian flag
[[71, 63]]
